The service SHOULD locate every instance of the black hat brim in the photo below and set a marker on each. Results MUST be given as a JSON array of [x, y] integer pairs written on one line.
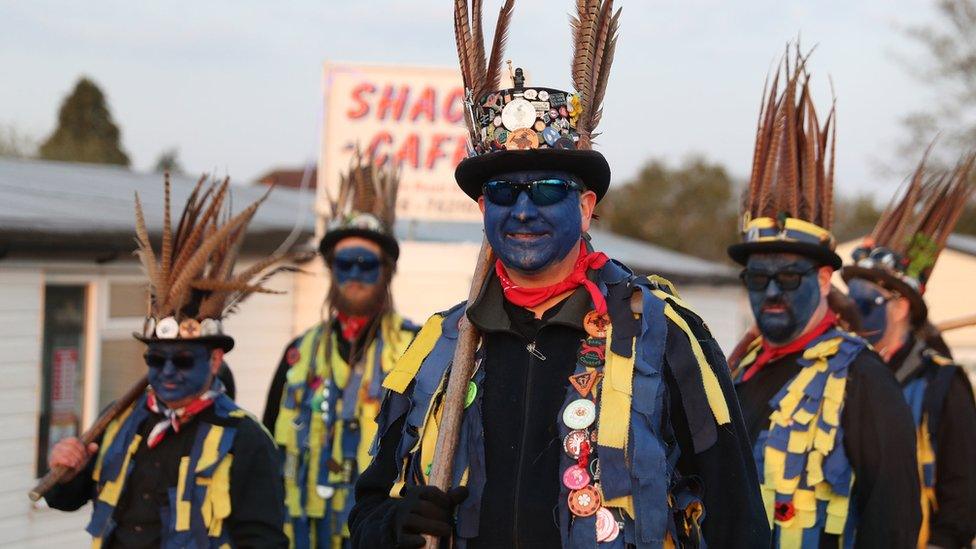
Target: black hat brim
[[224, 342], [386, 242], [825, 256], [919, 310], [589, 165]]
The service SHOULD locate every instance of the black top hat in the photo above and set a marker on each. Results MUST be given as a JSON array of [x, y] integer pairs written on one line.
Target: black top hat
[[530, 127]]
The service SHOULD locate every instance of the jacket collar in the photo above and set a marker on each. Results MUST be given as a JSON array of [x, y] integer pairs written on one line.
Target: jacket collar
[[488, 315]]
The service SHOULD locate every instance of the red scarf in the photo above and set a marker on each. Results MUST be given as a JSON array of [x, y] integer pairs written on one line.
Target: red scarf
[[175, 419], [772, 352], [530, 297], [352, 326]]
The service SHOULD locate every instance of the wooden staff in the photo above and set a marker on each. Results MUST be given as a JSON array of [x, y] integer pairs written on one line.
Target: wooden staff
[[54, 476], [956, 323], [462, 368]]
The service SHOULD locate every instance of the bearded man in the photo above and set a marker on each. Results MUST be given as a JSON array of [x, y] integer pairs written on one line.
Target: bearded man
[[887, 280], [600, 410], [833, 439], [183, 466], [327, 389]]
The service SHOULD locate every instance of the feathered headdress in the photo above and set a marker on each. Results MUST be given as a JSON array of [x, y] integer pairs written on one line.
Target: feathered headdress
[[788, 206], [901, 251], [530, 127], [364, 206], [192, 283]]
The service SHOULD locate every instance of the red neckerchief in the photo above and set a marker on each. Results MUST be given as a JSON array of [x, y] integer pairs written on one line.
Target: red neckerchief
[[530, 297], [175, 419], [772, 352], [352, 326]]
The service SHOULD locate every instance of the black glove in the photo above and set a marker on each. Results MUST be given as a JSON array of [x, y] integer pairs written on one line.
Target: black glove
[[426, 510]]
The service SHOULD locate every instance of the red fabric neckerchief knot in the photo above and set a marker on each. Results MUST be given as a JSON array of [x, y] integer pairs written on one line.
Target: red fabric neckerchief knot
[[175, 419], [352, 326], [531, 297], [772, 352]]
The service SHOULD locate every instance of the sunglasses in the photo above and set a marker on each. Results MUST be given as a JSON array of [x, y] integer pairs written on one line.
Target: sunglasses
[[182, 360], [543, 192], [756, 281], [364, 263]]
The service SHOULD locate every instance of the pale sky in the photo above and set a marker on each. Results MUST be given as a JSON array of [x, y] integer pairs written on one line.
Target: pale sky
[[236, 85]]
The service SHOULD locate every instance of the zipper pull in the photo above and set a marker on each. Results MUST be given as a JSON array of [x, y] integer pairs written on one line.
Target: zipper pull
[[531, 348]]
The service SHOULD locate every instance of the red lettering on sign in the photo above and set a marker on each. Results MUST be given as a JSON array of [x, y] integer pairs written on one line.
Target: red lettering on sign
[[454, 106], [409, 152], [362, 104], [435, 153], [460, 149], [425, 105], [374, 150], [390, 103]]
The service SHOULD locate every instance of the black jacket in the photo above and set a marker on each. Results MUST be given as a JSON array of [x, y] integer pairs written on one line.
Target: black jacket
[[256, 492], [521, 399], [951, 412], [879, 438]]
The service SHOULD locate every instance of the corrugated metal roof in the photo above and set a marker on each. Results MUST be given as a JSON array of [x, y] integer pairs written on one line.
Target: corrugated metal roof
[[64, 204]]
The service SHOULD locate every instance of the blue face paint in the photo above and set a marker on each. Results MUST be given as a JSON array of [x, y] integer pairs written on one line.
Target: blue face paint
[[781, 314], [178, 370], [873, 306], [356, 264], [527, 237]]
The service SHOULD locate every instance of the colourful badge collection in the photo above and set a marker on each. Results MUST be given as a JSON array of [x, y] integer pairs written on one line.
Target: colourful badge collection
[[530, 118], [583, 477]]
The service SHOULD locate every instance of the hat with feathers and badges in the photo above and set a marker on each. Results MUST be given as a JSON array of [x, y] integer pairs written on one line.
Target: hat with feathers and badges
[[901, 251], [528, 127], [788, 206]]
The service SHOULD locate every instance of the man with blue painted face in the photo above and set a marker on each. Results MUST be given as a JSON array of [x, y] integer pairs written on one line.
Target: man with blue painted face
[[832, 437], [327, 388], [600, 411], [183, 466], [887, 280]]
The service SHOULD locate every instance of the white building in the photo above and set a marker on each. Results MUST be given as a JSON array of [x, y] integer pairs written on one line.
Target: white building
[[71, 295]]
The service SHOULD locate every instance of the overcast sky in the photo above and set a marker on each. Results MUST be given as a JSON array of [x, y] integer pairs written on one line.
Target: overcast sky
[[236, 85]]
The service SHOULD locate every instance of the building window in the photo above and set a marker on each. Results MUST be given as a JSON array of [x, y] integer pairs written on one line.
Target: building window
[[63, 373]]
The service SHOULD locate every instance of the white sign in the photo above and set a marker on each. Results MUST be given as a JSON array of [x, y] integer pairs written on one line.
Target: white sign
[[412, 116]]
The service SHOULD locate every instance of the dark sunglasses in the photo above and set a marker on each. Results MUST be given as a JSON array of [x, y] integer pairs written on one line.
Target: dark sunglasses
[[364, 263], [756, 281], [182, 360], [543, 192]]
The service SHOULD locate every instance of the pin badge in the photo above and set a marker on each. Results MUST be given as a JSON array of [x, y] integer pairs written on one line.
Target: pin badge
[[531, 94], [573, 442], [543, 95], [189, 328], [325, 492], [522, 139], [518, 114], [579, 414], [575, 477], [607, 528], [583, 383], [584, 502], [209, 327], [596, 324], [167, 328]]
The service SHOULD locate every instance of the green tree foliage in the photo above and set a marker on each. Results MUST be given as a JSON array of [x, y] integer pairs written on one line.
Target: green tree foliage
[[689, 208], [85, 132], [169, 161], [854, 217]]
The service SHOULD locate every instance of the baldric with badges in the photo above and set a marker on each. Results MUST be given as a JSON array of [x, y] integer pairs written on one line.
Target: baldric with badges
[[613, 420]]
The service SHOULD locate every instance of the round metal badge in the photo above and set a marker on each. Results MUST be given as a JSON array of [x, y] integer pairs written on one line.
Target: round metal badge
[[167, 328], [149, 327], [189, 328], [522, 139], [596, 324], [575, 477], [573, 442], [543, 95], [584, 502], [325, 492], [606, 525], [209, 327], [530, 94], [518, 114], [579, 414]]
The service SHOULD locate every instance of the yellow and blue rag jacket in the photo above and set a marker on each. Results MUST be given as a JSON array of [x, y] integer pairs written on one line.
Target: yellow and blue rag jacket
[[804, 471], [199, 503], [635, 441], [325, 428]]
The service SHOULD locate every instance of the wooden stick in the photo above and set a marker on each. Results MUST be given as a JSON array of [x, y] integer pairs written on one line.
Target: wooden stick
[[54, 476], [956, 323], [462, 368]]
